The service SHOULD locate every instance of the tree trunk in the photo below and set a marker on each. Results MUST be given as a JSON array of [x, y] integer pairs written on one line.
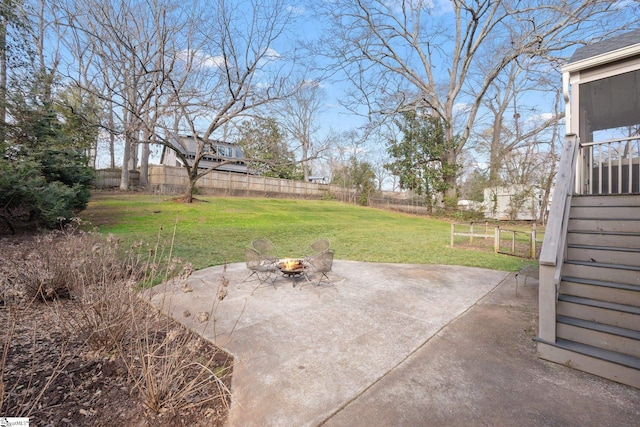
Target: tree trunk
[[451, 193], [126, 155], [133, 153], [124, 176], [449, 176], [495, 161], [144, 156], [112, 151], [305, 151], [112, 139], [188, 191], [495, 156], [549, 182], [144, 165], [92, 155], [3, 80]]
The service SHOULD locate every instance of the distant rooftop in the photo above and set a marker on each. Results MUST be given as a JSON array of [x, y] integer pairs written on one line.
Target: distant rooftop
[[607, 45]]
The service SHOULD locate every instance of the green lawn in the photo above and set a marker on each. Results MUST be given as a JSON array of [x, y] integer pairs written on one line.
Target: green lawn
[[214, 230]]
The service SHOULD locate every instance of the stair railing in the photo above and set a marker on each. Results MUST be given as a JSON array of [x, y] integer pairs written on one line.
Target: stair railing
[[554, 245], [610, 167]]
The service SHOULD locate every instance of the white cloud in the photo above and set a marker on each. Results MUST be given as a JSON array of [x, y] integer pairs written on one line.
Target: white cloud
[[204, 60], [311, 83], [461, 107], [212, 61], [623, 4], [442, 7], [435, 7], [296, 10], [200, 59], [539, 117], [272, 54]]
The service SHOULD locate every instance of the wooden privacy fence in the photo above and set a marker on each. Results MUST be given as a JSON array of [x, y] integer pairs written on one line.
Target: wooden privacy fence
[[520, 243], [110, 178], [172, 180], [406, 205]]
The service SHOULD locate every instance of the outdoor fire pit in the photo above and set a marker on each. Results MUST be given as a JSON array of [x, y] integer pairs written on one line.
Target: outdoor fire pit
[[292, 268]]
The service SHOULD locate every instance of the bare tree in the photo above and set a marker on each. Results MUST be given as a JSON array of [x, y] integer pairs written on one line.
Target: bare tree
[[348, 151], [16, 40], [173, 70], [551, 167], [4, 24], [118, 54], [378, 159], [512, 123], [230, 67], [361, 145], [300, 117], [85, 72], [406, 55]]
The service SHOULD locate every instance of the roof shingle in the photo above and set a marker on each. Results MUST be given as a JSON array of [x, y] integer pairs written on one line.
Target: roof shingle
[[605, 46]]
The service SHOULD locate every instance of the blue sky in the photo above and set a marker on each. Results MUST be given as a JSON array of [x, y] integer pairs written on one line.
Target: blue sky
[[337, 118]]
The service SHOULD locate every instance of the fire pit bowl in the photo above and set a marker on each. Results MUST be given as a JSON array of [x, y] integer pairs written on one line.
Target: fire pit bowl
[[292, 266]]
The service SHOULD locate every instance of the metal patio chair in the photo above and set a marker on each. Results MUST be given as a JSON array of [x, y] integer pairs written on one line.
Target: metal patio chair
[[260, 267], [319, 245], [321, 263], [266, 249]]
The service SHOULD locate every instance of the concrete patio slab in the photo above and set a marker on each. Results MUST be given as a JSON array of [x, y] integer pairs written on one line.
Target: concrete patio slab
[[389, 344]]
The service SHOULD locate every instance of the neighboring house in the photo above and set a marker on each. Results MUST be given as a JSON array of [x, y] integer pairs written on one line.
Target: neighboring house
[[470, 205], [187, 145], [589, 296], [319, 179], [513, 203]]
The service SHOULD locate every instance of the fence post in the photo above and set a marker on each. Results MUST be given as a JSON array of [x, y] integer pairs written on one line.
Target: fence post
[[513, 243], [496, 239], [471, 234], [486, 229], [452, 232], [532, 252]]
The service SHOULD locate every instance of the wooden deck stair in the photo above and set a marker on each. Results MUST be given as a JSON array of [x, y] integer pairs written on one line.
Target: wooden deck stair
[[598, 307]]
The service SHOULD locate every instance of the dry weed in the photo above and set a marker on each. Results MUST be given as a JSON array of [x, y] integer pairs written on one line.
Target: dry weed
[[171, 368]]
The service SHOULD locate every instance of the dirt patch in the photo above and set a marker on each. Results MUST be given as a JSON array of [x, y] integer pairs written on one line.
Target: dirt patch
[[181, 199], [54, 378]]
